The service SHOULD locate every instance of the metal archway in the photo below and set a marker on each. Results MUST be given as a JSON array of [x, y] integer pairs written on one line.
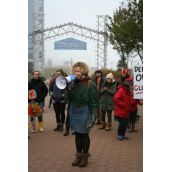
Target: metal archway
[[38, 36]]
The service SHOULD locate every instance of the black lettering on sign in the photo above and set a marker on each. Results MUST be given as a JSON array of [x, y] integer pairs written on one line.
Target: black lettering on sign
[[139, 77], [138, 69], [138, 87]]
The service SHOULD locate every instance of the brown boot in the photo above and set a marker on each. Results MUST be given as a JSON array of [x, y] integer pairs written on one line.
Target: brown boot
[[103, 125], [77, 160], [108, 127], [98, 122], [84, 160]]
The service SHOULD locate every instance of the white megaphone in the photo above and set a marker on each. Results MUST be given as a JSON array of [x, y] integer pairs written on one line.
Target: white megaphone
[[61, 81]]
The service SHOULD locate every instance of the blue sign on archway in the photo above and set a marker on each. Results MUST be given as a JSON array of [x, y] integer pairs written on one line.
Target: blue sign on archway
[[70, 44]]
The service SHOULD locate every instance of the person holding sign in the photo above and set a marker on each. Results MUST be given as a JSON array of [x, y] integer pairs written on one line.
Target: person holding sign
[[133, 109]]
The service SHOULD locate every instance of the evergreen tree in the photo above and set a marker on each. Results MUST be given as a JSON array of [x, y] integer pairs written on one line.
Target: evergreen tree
[[125, 30]]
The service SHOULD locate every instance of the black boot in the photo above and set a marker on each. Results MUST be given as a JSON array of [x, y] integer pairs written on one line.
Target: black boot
[[57, 128], [77, 160], [61, 128], [66, 133], [84, 160]]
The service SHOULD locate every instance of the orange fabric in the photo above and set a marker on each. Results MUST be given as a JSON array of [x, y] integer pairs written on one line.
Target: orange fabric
[[34, 109]]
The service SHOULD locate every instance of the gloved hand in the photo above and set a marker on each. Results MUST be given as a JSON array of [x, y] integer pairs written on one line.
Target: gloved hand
[[91, 120]]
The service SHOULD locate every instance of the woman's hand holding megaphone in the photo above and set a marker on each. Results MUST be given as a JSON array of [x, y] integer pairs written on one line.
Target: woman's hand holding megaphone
[[61, 81]]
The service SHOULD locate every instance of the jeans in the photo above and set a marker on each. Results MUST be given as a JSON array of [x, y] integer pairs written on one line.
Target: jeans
[[123, 123]]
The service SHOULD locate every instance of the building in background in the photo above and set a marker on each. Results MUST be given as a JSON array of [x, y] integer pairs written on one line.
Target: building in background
[[30, 29]]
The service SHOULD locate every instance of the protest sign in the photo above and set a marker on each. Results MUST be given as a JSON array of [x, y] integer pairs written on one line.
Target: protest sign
[[138, 82]]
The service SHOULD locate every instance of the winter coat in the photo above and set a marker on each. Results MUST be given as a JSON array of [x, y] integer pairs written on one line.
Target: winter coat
[[41, 89], [84, 93], [102, 80], [106, 102], [122, 102]]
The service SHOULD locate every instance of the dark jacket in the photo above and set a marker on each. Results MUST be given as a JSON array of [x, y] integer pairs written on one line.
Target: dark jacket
[[58, 95], [100, 85], [41, 89], [106, 102], [84, 93]]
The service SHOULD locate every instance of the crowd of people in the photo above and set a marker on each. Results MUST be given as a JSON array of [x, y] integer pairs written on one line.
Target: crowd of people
[[87, 101]]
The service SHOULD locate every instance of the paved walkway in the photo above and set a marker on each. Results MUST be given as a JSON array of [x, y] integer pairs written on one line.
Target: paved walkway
[[50, 151]]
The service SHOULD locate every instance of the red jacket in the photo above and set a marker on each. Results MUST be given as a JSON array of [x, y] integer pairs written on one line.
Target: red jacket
[[134, 103], [122, 101]]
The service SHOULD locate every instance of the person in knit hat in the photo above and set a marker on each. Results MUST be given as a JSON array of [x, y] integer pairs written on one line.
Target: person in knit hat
[[106, 103], [122, 102], [124, 75]]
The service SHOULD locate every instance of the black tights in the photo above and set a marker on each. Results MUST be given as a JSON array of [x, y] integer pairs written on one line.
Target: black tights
[[82, 142]]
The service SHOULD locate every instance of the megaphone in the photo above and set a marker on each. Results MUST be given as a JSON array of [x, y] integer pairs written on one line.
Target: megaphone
[[61, 81]]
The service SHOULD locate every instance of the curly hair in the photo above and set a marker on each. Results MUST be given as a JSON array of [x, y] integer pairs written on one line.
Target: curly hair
[[83, 66], [61, 71], [35, 71]]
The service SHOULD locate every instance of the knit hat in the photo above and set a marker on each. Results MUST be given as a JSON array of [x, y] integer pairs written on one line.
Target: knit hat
[[109, 76], [124, 71]]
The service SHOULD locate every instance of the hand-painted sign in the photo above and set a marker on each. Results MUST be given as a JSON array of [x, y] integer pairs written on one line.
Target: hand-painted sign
[[138, 82]]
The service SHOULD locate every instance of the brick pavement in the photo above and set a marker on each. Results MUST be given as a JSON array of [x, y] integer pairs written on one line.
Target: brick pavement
[[50, 151]]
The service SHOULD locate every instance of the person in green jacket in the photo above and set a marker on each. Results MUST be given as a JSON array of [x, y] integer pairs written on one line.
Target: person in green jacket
[[84, 98], [99, 80], [106, 103]]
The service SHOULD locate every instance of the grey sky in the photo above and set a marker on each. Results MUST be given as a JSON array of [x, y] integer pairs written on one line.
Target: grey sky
[[82, 12]]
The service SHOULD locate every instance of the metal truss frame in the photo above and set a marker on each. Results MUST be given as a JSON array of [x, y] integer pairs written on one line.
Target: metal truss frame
[[98, 35], [37, 38], [102, 41]]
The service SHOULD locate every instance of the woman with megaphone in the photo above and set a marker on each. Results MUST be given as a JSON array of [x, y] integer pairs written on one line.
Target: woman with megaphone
[[83, 99]]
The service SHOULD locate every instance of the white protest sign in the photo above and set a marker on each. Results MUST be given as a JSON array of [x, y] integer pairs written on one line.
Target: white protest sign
[[138, 82]]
